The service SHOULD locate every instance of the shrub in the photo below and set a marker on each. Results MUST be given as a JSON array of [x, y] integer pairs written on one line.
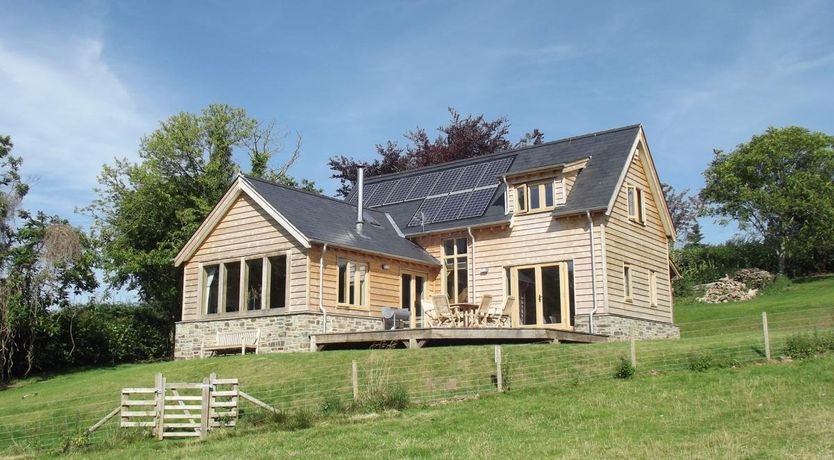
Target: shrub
[[801, 346], [700, 362], [331, 405], [624, 370], [385, 398]]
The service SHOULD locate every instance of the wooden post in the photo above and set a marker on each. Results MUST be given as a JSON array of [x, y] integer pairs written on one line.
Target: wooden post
[[499, 375], [206, 409], [355, 380], [766, 336], [633, 350], [160, 405]]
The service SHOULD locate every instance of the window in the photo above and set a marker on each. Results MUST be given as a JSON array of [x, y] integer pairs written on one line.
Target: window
[[636, 204], [653, 288], [250, 276], [353, 283], [232, 286], [211, 288], [254, 284], [533, 197], [627, 293], [455, 270]]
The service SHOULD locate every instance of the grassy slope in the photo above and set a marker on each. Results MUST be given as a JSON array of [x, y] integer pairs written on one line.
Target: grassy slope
[[45, 410], [769, 411]]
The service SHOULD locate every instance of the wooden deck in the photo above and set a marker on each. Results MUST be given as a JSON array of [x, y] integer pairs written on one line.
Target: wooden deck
[[419, 337]]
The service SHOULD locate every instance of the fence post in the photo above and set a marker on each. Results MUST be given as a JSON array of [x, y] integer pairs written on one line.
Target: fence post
[[206, 409], [766, 336], [160, 405], [632, 344], [355, 380], [499, 376]]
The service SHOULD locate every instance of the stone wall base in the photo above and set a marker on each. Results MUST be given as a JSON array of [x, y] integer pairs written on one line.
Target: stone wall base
[[620, 327], [285, 332]]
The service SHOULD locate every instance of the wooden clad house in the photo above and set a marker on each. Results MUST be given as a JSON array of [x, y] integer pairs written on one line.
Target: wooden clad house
[[577, 230]]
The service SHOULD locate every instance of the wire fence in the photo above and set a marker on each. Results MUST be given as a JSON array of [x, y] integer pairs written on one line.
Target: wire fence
[[52, 421]]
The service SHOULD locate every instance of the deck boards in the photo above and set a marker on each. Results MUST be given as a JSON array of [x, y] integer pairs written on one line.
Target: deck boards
[[458, 336]]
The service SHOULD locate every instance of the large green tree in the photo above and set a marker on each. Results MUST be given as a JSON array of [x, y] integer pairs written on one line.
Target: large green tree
[[779, 185], [146, 210]]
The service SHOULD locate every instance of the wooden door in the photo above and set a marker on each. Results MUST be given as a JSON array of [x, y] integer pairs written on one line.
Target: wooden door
[[542, 296], [412, 290]]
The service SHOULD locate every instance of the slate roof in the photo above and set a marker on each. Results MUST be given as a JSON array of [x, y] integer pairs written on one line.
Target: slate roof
[[323, 219], [608, 151]]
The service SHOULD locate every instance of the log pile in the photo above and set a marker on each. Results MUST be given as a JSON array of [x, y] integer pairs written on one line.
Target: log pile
[[754, 278], [727, 290]]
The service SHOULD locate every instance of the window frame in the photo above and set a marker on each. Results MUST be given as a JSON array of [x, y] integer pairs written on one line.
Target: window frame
[[541, 186], [243, 310], [653, 288], [628, 283], [360, 293], [638, 213], [455, 258]]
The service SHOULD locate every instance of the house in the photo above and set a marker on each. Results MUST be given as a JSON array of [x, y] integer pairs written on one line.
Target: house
[[577, 230]]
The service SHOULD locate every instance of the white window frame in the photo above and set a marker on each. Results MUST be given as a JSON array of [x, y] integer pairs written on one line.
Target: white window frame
[[362, 291], [542, 189], [636, 204]]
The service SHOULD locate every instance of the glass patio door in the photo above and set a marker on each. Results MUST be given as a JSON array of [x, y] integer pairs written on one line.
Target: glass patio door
[[412, 287], [542, 293]]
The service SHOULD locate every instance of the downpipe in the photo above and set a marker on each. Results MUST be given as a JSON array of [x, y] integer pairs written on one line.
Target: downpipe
[[593, 275], [321, 290]]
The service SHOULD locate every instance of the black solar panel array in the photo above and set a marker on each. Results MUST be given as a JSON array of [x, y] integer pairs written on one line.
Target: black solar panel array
[[456, 193]]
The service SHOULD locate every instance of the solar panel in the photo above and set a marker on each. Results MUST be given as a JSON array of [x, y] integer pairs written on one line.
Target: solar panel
[[477, 203], [469, 177], [451, 207], [369, 192], [401, 190], [427, 211], [382, 192], [423, 186], [447, 181], [492, 170]]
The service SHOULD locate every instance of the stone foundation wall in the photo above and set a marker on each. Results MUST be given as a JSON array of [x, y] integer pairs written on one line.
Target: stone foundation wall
[[281, 332], [620, 327]]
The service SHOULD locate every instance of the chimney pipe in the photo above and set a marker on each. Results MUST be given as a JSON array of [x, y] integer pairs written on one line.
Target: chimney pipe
[[360, 182]]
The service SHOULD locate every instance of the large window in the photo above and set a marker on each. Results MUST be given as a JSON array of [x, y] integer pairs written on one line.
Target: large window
[[353, 283], [537, 196], [636, 204], [263, 280], [455, 270]]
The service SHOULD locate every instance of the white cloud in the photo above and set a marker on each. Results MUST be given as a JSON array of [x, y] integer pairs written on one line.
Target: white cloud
[[68, 113]]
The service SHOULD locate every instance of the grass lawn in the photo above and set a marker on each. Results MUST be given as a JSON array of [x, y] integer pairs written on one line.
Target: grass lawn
[[41, 413], [760, 411]]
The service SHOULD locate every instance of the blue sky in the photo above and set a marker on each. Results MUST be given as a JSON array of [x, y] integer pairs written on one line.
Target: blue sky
[[81, 83]]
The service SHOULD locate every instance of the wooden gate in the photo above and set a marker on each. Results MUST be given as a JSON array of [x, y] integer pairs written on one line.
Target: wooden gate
[[182, 410]]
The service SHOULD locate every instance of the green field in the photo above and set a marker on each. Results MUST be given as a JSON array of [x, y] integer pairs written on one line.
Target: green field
[[570, 384]]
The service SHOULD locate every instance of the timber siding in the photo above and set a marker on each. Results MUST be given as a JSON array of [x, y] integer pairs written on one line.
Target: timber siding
[[384, 284], [644, 247], [533, 238], [245, 231]]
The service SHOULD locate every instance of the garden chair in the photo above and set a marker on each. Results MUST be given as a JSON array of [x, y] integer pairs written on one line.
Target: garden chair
[[483, 309], [501, 317], [431, 318], [444, 311]]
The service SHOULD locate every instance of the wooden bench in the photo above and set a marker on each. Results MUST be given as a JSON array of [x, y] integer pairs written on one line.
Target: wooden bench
[[233, 341]]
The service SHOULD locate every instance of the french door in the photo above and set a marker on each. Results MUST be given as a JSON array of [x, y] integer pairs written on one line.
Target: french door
[[542, 295], [412, 287]]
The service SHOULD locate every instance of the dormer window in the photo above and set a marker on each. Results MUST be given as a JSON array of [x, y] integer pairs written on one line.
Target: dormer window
[[535, 197]]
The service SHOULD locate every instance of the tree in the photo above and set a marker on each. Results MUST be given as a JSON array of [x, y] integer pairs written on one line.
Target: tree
[[779, 185], [41, 262], [463, 137], [694, 237], [146, 211], [683, 207]]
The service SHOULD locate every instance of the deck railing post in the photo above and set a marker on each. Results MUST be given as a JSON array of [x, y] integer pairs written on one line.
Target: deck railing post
[[766, 336], [499, 375], [354, 378]]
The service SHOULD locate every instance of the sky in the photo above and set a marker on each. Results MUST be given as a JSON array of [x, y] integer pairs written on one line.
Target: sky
[[82, 82]]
